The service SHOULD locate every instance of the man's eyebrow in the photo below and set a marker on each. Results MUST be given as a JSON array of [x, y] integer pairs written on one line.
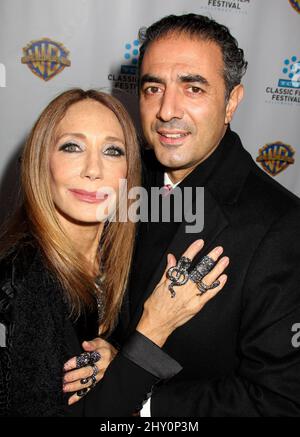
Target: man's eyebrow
[[146, 78], [187, 78]]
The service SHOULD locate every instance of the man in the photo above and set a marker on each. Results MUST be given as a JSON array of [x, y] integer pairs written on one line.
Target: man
[[237, 354]]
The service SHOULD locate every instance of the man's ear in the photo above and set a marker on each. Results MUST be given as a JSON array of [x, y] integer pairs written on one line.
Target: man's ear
[[235, 97]]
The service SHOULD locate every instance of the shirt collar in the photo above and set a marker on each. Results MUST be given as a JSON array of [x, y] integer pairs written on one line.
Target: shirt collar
[[167, 181]]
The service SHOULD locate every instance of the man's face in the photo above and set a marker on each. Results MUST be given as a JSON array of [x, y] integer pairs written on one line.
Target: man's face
[[182, 101]]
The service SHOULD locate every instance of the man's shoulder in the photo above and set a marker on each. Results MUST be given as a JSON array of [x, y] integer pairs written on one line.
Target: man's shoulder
[[270, 197]]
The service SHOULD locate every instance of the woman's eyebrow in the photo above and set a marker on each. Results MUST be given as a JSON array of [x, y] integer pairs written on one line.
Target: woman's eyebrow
[[71, 134]]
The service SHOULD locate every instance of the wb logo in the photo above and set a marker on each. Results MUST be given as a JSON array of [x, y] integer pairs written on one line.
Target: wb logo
[[2, 76]]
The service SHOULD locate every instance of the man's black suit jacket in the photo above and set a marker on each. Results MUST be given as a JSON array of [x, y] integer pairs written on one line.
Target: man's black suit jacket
[[237, 353]]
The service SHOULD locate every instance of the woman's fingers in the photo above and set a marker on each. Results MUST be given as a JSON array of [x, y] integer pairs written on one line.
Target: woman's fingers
[[190, 253], [193, 249], [79, 384], [218, 269], [211, 293]]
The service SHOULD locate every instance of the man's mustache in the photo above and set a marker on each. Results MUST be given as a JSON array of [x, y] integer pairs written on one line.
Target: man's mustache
[[173, 124]]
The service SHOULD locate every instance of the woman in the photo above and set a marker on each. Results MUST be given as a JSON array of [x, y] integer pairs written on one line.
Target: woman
[[59, 253]]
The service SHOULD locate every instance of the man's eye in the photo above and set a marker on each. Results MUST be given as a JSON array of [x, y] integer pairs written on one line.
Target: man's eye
[[70, 148], [114, 151], [152, 90], [195, 90]]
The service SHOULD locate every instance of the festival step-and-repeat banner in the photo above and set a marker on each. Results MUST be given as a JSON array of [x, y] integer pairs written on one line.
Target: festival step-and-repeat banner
[[47, 47]]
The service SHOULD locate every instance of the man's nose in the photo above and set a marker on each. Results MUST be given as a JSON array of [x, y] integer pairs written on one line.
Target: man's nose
[[93, 167], [171, 106]]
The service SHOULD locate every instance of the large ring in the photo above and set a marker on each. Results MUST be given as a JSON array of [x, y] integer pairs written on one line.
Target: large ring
[[92, 377], [87, 359], [83, 360], [94, 357], [178, 274], [201, 269], [94, 382], [203, 288], [85, 380], [95, 370], [82, 392]]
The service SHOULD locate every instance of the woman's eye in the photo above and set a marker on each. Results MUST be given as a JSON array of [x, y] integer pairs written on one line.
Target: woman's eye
[[70, 148], [114, 151]]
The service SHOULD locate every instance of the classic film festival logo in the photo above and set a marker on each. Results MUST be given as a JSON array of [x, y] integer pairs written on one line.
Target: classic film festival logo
[[126, 77], [288, 87], [45, 58], [276, 157], [227, 5], [296, 5]]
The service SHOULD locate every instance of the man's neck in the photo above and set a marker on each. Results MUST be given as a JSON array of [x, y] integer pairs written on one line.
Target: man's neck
[[177, 175]]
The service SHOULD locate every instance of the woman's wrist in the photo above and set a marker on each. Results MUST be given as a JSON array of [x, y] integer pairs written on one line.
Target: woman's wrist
[[157, 335]]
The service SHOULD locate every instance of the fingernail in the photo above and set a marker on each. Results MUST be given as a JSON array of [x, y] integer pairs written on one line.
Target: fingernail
[[200, 242], [218, 250], [225, 260]]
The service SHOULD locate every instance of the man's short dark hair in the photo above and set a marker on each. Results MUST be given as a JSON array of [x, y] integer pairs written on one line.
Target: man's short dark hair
[[206, 29]]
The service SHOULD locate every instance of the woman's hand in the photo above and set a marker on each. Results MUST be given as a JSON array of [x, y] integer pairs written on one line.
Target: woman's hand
[[163, 314], [72, 378]]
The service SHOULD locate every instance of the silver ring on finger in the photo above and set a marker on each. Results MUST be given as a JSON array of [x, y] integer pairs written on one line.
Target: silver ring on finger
[[94, 357], [85, 380], [205, 265], [82, 360], [94, 381], [178, 275], [203, 288], [95, 370], [82, 392]]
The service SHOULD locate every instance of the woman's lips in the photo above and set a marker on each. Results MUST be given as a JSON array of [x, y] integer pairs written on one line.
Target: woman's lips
[[89, 196]]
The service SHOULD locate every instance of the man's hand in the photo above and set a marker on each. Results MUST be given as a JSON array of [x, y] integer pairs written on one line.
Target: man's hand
[[71, 382]]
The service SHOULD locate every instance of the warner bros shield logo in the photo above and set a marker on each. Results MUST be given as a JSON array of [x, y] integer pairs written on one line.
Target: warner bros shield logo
[[276, 157], [45, 58]]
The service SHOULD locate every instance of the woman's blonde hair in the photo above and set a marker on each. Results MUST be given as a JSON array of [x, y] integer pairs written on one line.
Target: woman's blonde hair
[[117, 240]]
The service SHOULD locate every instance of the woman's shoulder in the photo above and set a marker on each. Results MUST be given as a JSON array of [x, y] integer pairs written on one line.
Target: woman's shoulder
[[18, 261]]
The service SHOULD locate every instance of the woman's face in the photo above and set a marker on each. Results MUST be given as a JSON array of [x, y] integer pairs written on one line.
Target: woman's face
[[86, 162]]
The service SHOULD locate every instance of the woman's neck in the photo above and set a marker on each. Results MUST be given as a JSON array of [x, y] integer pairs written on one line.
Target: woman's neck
[[85, 239]]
